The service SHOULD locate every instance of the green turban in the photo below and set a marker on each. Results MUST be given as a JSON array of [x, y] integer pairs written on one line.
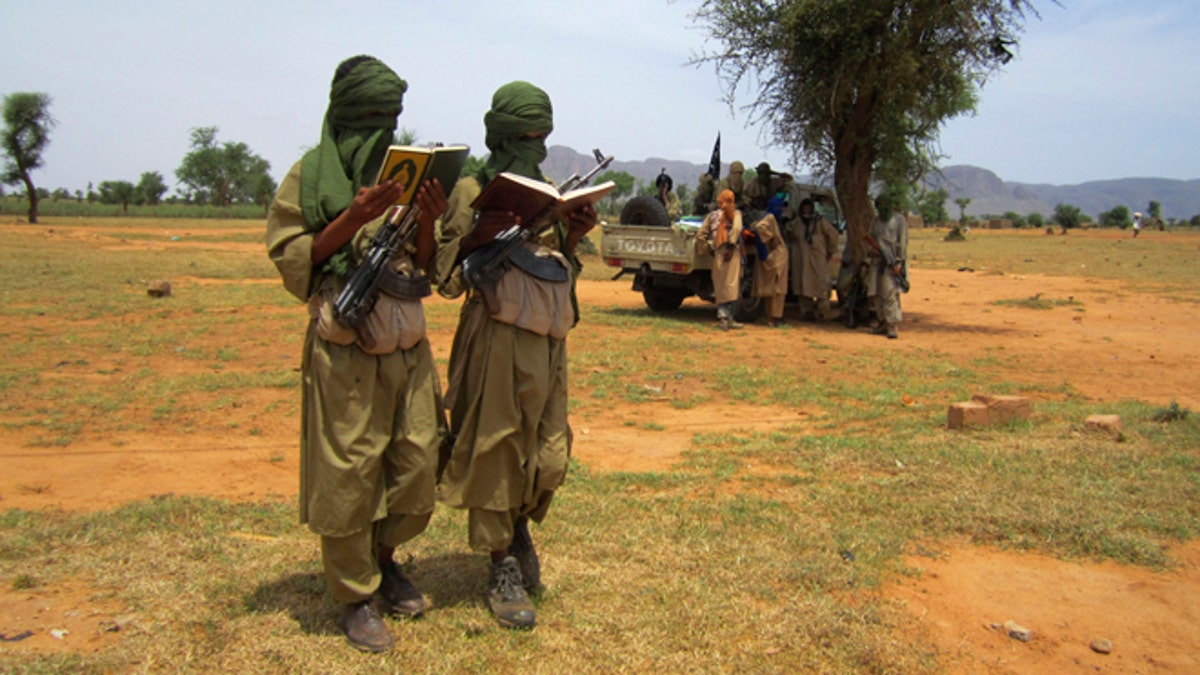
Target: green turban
[[518, 109], [365, 99]]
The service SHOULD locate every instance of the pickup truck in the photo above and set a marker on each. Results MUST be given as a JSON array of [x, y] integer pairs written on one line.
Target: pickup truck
[[661, 255]]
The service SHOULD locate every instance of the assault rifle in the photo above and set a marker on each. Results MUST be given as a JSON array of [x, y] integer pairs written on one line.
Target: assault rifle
[[889, 260], [356, 300], [483, 267]]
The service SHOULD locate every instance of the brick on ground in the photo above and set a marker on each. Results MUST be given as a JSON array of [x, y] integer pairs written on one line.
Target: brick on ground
[[985, 410], [1106, 424]]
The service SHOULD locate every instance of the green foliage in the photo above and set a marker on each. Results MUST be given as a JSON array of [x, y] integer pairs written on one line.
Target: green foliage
[[625, 185], [931, 204], [117, 192], [1171, 413], [1118, 216], [26, 133], [224, 174], [150, 188], [1155, 209], [1068, 216], [859, 90], [1017, 219], [963, 203], [1036, 220]]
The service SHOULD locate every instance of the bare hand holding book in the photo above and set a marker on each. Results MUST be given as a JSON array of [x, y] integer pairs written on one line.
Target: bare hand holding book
[[412, 165]]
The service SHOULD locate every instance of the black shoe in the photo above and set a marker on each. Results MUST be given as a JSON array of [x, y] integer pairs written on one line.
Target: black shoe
[[398, 594], [506, 596], [522, 549], [891, 332], [365, 629]]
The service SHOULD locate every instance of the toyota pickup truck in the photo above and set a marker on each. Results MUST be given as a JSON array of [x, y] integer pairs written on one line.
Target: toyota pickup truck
[[662, 257]]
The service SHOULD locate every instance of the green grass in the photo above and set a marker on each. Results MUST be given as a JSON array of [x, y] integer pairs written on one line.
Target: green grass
[[1036, 301], [760, 551], [1161, 263]]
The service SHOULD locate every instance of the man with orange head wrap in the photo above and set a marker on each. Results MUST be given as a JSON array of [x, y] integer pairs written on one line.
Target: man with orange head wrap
[[722, 234]]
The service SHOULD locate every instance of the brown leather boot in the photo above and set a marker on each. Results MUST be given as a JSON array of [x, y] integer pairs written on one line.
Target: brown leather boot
[[365, 629], [398, 593], [506, 596]]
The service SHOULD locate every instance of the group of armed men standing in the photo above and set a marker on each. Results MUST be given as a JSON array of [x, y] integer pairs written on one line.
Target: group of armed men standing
[[377, 446], [792, 250]]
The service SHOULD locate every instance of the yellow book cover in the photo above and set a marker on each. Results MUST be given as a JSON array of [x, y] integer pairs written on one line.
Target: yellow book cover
[[412, 165]]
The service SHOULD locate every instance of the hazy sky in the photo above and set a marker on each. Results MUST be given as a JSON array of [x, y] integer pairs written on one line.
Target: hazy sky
[[1101, 89]]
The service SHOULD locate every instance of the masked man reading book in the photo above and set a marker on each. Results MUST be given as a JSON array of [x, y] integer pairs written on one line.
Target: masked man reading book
[[507, 394], [371, 415]]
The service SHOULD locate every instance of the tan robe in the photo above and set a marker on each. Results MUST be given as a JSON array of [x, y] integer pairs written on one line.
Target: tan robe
[[507, 394], [371, 425], [770, 275], [726, 274], [891, 235], [810, 260]]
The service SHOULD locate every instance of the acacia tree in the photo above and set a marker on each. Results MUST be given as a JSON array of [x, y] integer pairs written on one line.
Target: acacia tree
[[859, 88], [222, 174], [150, 188], [117, 192], [27, 125]]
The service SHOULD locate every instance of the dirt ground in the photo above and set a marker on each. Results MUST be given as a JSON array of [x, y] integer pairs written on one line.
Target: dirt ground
[[1126, 344]]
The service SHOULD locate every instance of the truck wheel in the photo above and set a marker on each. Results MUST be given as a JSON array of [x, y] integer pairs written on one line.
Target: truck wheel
[[645, 210], [663, 301]]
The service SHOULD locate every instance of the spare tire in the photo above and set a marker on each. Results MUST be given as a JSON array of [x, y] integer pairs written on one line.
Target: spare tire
[[645, 210]]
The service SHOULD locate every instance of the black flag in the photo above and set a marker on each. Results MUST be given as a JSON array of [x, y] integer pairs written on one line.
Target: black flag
[[714, 164]]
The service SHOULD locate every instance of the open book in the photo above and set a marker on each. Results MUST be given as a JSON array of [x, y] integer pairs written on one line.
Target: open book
[[413, 165], [534, 201]]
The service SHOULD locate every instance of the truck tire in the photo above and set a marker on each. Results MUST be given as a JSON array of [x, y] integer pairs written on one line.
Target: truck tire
[[748, 308], [663, 301], [645, 210]]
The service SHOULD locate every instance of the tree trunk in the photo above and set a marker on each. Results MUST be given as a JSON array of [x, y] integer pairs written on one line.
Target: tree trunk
[[33, 198], [852, 180]]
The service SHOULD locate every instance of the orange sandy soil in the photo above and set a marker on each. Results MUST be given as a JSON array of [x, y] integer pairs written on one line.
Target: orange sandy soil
[[1127, 345]]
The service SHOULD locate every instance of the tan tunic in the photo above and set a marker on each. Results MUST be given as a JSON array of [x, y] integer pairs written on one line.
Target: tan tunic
[[726, 274], [891, 235], [508, 386], [370, 424], [770, 275], [810, 259]]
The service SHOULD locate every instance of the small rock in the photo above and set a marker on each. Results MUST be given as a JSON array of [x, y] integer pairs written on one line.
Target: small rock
[[159, 288], [1017, 631], [1101, 646], [59, 633]]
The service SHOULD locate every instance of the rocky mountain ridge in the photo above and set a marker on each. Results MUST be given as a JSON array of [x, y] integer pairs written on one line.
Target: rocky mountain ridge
[[989, 194]]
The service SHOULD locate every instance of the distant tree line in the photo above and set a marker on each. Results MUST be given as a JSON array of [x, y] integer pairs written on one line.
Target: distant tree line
[[211, 173]]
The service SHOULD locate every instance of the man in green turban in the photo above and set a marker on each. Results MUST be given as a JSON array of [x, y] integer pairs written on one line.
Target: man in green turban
[[507, 394], [371, 418]]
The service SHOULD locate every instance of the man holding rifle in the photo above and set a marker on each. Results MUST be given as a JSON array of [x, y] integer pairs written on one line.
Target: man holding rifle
[[507, 393], [371, 417], [887, 248]]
